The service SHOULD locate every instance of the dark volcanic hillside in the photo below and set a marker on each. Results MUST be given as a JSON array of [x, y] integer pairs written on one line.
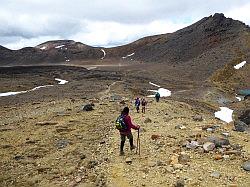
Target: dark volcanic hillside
[[192, 41], [212, 42], [60, 51]]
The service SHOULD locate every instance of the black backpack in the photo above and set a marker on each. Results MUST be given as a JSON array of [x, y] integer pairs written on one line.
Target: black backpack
[[120, 123]]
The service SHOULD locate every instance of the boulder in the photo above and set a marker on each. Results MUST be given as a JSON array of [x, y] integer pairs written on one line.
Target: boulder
[[210, 130], [245, 117], [192, 145], [218, 141], [178, 166], [88, 107], [208, 146], [18, 157], [197, 118], [147, 120], [246, 165], [155, 136], [122, 102], [62, 144], [240, 126], [226, 134], [180, 183], [180, 127], [174, 159], [92, 164], [184, 158], [218, 157], [215, 174], [128, 160]]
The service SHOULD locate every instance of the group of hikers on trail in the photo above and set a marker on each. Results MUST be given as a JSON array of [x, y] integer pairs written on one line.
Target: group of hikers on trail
[[124, 124], [143, 103]]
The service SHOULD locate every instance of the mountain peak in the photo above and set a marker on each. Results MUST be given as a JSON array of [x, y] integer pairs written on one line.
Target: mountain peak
[[219, 16]]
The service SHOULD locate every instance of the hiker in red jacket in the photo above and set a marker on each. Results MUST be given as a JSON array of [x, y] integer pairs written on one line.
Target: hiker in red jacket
[[127, 132]]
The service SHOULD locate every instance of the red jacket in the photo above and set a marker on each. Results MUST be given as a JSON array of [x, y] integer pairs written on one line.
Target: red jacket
[[130, 125]]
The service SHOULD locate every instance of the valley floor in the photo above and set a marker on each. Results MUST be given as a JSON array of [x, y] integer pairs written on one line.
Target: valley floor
[[51, 141]]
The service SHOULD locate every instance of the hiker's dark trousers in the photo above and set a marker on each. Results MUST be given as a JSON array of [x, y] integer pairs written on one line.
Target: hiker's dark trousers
[[123, 139]]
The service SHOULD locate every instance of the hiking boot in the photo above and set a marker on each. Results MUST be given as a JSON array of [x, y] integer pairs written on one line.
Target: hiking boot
[[133, 147], [122, 153]]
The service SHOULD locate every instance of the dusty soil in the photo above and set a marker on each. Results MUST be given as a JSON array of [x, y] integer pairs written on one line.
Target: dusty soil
[[48, 140]]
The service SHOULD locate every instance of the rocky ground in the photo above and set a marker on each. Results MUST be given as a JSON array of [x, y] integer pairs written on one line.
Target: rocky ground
[[47, 139]]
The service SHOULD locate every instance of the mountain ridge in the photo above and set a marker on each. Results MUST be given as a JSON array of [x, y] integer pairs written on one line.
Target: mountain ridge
[[173, 48]]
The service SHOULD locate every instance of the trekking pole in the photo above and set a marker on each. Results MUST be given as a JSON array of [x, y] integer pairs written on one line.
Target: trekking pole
[[138, 144]]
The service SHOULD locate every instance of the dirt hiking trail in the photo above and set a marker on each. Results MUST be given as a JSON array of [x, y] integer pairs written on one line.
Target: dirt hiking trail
[[58, 144]]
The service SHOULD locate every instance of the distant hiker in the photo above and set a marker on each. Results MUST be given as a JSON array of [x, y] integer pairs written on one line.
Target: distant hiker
[[143, 104], [137, 104], [157, 96], [124, 125]]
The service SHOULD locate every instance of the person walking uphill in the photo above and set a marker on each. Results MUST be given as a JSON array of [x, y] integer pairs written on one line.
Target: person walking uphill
[[157, 96], [137, 104], [143, 104], [124, 125]]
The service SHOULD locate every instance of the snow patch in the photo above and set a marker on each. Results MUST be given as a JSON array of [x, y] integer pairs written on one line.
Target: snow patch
[[15, 93], [239, 98], [59, 46], [33, 89], [162, 91], [90, 68], [240, 65], [43, 48], [61, 81], [128, 55], [225, 114], [104, 54], [11, 93], [154, 84], [38, 87], [151, 96]]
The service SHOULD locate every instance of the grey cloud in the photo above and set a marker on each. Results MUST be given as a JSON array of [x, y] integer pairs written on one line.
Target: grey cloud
[[35, 26], [29, 19], [128, 11]]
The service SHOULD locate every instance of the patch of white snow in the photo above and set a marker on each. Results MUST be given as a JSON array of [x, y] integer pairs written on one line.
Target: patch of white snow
[[15, 93], [128, 55], [38, 87], [240, 65], [151, 96], [61, 81], [154, 84], [239, 98], [104, 53], [43, 48], [11, 93], [162, 91], [153, 91], [59, 46], [33, 89], [225, 114], [91, 67]]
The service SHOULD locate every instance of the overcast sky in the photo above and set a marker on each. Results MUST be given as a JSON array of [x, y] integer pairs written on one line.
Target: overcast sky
[[105, 22]]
